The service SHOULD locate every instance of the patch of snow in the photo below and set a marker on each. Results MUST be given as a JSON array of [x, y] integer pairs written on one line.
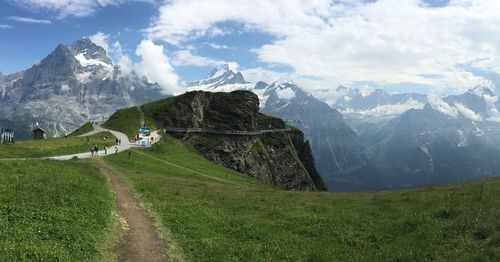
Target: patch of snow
[[221, 88], [366, 91], [283, 106], [91, 62], [426, 152], [220, 72], [262, 97], [285, 93], [461, 138], [347, 98], [477, 130], [64, 87], [83, 77]]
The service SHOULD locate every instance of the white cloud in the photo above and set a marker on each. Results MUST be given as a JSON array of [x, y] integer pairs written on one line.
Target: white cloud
[[155, 66], [441, 106], [217, 46], [387, 41], [468, 113], [65, 8], [5, 26], [29, 20], [154, 63], [101, 39], [186, 57], [492, 111]]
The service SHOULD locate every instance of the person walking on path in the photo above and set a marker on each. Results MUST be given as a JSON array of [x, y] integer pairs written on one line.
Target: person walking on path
[[92, 151], [96, 151], [117, 141], [105, 150], [116, 150]]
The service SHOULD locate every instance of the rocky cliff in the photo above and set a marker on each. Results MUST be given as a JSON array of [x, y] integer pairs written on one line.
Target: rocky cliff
[[73, 84], [280, 158]]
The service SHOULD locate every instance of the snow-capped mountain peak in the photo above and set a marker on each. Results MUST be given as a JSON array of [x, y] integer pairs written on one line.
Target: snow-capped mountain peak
[[481, 91], [90, 55], [221, 79], [219, 71]]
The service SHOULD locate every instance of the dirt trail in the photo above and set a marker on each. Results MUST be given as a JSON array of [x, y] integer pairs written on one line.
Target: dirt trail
[[141, 242]]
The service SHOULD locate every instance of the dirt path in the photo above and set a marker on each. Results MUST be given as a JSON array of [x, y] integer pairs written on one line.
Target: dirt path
[[141, 242]]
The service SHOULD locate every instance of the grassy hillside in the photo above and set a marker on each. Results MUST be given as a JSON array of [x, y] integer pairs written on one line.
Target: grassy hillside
[[128, 120], [212, 213], [87, 127], [53, 211], [54, 146]]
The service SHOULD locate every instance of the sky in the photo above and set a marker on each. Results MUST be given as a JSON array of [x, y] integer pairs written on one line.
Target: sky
[[425, 46]]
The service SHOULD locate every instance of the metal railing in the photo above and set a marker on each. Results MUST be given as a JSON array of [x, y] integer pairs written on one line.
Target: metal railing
[[224, 132]]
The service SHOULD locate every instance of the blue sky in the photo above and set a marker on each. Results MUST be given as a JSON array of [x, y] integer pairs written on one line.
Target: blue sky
[[434, 46]]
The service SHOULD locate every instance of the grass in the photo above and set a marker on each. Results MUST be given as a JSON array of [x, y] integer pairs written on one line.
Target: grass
[[87, 127], [126, 120], [53, 211], [216, 214], [54, 146]]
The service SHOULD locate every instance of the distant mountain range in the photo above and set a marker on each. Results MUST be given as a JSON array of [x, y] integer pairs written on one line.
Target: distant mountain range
[[361, 138], [398, 140], [341, 159], [71, 85]]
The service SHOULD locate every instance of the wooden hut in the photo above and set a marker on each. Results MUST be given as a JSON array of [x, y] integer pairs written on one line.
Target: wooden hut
[[38, 133]]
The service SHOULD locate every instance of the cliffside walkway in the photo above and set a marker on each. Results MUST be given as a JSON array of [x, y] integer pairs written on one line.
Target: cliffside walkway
[[225, 132]]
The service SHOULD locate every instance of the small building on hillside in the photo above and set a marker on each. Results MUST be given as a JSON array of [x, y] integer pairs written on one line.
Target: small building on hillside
[[6, 136], [38, 133]]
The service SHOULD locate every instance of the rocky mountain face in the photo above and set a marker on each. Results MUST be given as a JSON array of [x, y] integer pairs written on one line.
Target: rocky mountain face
[[452, 139], [283, 159], [342, 161], [71, 85]]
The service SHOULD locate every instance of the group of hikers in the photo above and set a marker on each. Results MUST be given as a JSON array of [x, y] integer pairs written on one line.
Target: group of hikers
[[94, 150]]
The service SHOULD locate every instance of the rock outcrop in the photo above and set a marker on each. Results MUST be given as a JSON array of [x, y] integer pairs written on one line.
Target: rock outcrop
[[280, 158]]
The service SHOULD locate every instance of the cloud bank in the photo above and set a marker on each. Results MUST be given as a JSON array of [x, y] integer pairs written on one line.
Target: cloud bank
[[342, 42], [65, 8], [154, 63]]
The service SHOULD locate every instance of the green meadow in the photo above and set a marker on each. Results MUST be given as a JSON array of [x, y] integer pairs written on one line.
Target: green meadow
[[64, 211], [53, 211], [54, 146], [215, 214]]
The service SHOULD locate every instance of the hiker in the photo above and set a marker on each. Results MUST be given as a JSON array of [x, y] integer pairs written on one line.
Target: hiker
[[117, 141], [116, 150], [92, 151], [96, 151], [105, 150], [129, 154]]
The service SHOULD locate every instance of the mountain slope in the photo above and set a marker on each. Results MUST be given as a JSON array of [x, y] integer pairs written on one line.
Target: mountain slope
[[425, 146], [241, 218], [341, 159], [280, 158], [73, 84]]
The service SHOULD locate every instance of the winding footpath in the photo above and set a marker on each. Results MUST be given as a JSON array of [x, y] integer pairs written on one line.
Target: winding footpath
[[141, 241], [123, 146]]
